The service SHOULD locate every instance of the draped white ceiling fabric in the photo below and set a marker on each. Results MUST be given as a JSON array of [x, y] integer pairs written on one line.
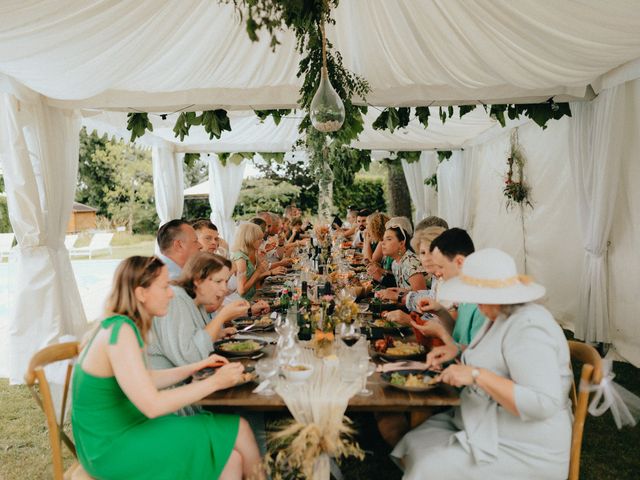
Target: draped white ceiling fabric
[[39, 156], [164, 55]]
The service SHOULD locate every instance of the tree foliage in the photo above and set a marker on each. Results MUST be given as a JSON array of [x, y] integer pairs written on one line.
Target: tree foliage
[[116, 178], [94, 177], [261, 194], [5, 224], [296, 172], [131, 201], [196, 169], [364, 192]]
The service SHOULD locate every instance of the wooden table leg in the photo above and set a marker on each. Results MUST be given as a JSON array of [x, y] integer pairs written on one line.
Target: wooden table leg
[[417, 417]]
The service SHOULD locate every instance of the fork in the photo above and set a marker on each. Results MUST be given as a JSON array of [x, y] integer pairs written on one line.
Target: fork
[[247, 328]]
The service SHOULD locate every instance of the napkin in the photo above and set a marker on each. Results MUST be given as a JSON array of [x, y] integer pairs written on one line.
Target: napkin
[[263, 386], [408, 365]]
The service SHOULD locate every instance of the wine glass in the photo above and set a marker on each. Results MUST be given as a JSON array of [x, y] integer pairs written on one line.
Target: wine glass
[[266, 369], [366, 369], [349, 333]]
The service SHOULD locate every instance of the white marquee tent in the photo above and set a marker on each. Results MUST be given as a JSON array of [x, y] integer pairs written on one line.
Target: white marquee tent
[[64, 63]]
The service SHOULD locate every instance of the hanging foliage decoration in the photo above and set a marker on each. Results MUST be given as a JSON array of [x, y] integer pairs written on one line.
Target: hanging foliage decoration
[[304, 19], [432, 181], [237, 157], [392, 118], [516, 190], [138, 123], [275, 114]]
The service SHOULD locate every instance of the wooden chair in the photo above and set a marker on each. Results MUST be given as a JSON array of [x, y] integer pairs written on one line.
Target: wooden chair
[[42, 395], [591, 374]]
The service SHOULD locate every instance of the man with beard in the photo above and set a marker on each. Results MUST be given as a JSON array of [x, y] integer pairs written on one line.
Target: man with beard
[[361, 226]]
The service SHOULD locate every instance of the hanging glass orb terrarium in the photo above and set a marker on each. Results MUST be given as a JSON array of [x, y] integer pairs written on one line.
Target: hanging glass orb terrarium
[[327, 109]]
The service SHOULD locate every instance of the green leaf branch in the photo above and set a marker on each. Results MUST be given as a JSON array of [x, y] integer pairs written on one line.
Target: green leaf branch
[[137, 124]]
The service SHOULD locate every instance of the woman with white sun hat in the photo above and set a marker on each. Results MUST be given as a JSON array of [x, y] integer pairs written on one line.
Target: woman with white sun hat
[[514, 418]]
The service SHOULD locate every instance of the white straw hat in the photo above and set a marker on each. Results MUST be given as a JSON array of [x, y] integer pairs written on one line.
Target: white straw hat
[[400, 222], [490, 277]]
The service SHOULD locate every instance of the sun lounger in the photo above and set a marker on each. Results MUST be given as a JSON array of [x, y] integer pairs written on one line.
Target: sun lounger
[[99, 242]]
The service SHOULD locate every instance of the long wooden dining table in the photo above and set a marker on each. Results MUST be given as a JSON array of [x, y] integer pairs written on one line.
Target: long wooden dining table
[[385, 398]]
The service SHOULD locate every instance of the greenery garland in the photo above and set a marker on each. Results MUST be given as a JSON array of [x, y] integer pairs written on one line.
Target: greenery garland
[[517, 191], [392, 118], [305, 19]]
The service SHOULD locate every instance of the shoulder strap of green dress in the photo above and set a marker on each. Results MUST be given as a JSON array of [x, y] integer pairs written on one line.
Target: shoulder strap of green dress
[[116, 321], [239, 255]]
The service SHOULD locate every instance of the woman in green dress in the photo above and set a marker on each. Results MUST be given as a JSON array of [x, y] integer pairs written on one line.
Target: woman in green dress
[[123, 422]]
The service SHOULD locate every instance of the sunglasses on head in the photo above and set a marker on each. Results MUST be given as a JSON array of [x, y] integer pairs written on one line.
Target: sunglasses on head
[[399, 229]]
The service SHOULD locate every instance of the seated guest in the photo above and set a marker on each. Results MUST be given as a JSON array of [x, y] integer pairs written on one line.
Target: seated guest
[[262, 224], [250, 268], [207, 234], [448, 252], [186, 333], [269, 245], [296, 231], [349, 227], [122, 418], [209, 239], [514, 419], [393, 426], [406, 267], [374, 231], [292, 211], [286, 227], [421, 242], [361, 226], [282, 251], [432, 221], [177, 241]]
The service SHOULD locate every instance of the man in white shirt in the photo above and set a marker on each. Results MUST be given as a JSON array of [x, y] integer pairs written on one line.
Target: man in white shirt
[[177, 241]]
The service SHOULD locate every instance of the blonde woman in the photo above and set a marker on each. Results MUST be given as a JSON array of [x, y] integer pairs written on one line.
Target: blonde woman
[[372, 248], [122, 412], [250, 268]]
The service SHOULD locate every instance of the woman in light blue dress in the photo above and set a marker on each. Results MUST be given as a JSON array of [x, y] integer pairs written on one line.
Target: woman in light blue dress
[[514, 417]]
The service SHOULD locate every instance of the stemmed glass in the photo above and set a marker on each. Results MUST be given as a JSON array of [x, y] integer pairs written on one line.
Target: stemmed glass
[[366, 369], [266, 369], [349, 333]]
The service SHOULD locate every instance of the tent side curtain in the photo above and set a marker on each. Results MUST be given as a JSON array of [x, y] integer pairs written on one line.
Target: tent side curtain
[[39, 148]]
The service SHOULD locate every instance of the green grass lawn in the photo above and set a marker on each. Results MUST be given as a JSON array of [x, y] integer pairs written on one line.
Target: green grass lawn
[[608, 454]]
